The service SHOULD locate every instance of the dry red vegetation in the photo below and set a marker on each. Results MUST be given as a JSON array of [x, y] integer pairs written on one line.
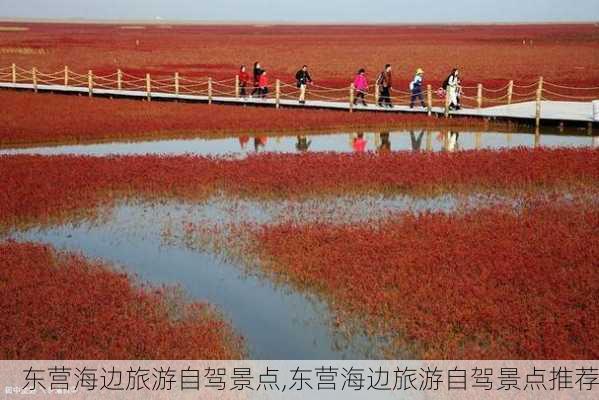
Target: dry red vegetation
[[62, 306], [487, 54], [39, 187], [492, 284], [72, 118]]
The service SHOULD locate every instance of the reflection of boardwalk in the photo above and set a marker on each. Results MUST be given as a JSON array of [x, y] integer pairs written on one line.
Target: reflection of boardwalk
[[550, 110]]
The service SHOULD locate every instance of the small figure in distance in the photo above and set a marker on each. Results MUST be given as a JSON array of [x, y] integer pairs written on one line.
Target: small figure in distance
[[385, 82], [263, 84], [361, 86], [257, 73], [303, 78], [416, 88], [244, 78]]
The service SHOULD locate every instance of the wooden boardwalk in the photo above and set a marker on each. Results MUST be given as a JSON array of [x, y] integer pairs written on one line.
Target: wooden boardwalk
[[555, 111]]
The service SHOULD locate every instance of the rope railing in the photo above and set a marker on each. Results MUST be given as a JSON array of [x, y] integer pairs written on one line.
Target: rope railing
[[565, 96], [570, 87], [470, 96]]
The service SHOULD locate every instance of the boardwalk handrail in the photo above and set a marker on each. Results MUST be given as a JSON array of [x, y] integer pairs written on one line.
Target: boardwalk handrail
[[471, 96]]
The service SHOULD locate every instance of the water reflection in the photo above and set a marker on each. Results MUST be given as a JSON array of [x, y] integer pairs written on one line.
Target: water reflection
[[359, 143], [260, 143], [303, 144], [383, 141], [416, 140]]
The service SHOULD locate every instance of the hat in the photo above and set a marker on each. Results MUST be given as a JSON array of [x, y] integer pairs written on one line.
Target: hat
[[419, 71]]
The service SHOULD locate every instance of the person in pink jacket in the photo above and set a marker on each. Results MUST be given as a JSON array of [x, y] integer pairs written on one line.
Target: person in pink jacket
[[361, 86]]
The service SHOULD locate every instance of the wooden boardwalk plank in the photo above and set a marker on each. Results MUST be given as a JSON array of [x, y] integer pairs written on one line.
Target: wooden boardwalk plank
[[550, 110]]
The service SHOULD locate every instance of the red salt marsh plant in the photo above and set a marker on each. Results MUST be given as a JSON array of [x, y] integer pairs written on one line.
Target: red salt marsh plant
[[60, 118], [488, 54], [40, 187], [62, 306], [491, 284]]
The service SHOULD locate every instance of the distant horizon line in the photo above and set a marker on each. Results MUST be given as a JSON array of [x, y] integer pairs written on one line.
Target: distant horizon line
[[270, 23]]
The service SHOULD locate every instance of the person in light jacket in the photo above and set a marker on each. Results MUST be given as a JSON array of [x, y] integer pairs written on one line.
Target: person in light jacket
[[453, 89], [361, 86]]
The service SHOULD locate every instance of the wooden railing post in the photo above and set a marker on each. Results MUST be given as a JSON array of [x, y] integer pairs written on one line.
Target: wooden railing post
[[148, 87], [447, 102], [209, 90], [510, 92], [34, 78], [237, 86], [90, 83], [351, 97], [177, 83], [119, 79], [66, 75], [479, 95], [538, 104], [14, 73], [429, 99], [377, 94], [278, 93]]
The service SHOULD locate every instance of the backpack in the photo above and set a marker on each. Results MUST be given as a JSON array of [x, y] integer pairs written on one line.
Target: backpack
[[380, 78], [446, 82]]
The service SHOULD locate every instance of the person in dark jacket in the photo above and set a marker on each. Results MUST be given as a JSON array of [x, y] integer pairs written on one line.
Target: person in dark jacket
[[303, 78], [385, 82], [257, 75]]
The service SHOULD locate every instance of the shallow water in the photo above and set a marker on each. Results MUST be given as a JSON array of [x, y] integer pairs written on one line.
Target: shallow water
[[278, 322], [241, 146]]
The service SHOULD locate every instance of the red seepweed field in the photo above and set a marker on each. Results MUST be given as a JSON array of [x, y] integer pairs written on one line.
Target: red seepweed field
[[486, 54], [512, 277], [62, 306], [419, 276]]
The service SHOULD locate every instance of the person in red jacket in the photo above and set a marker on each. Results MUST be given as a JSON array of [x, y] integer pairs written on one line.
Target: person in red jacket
[[244, 78], [263, 84]]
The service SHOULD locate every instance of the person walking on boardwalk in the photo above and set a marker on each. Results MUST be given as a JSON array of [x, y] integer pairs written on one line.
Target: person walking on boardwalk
[[361, 86], [244, 78], [257, 73], [416, 88], [263, 84], [452, 86], [303, 78], [385, 83]]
